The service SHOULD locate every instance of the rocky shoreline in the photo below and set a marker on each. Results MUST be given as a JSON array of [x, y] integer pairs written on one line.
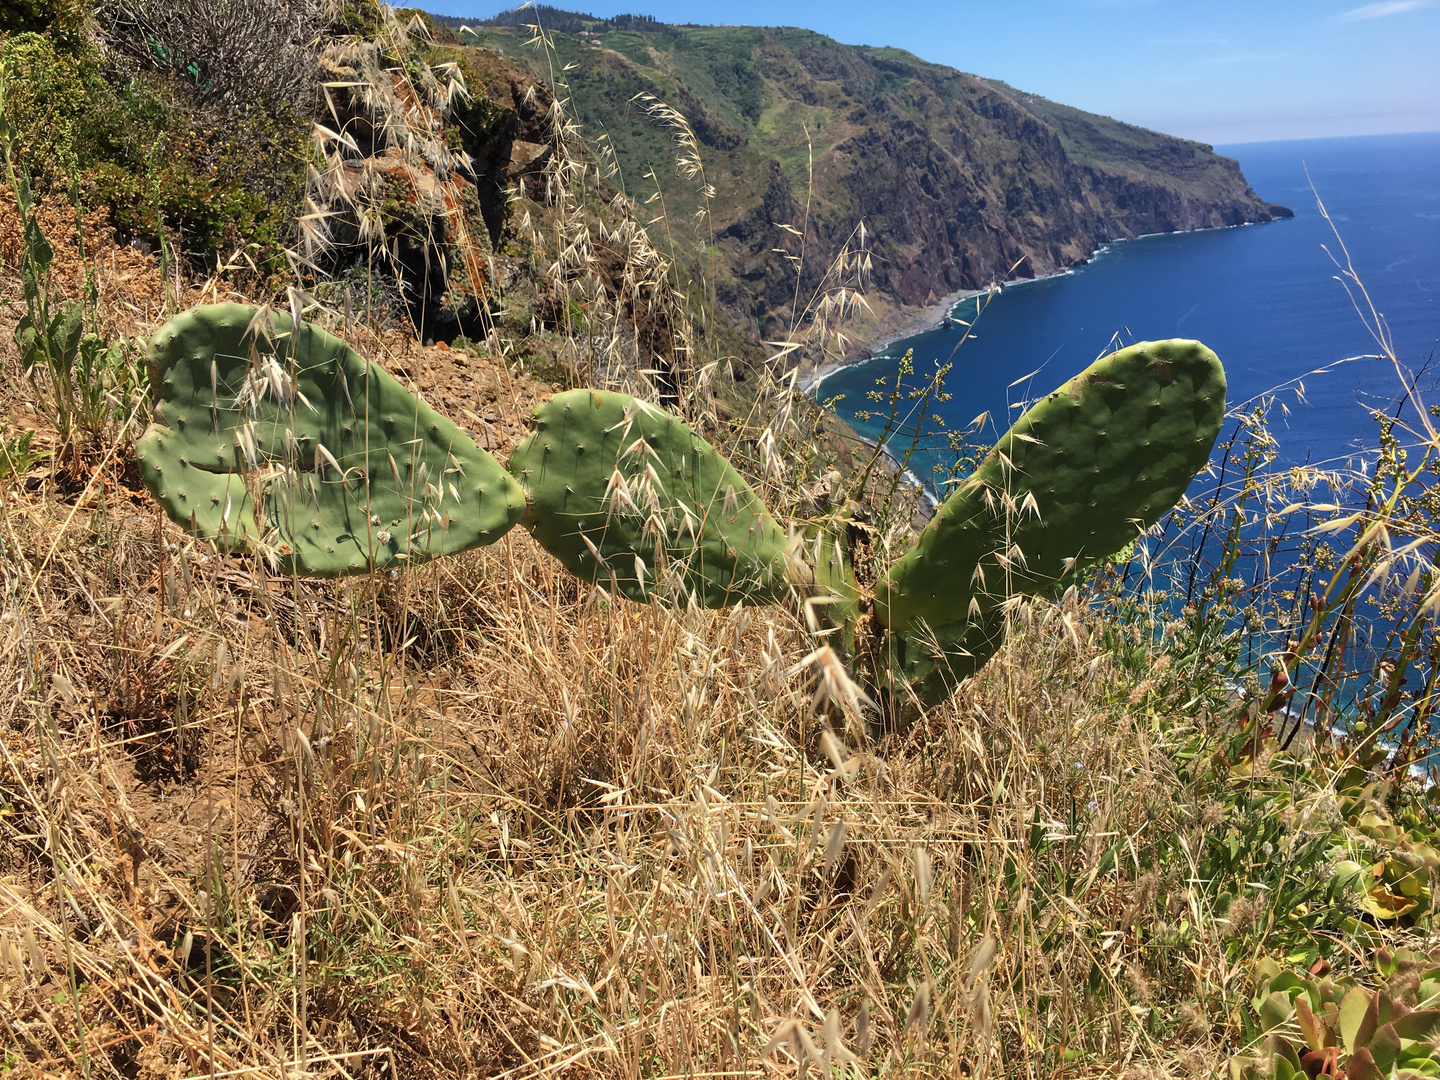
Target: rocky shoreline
[[930, 318]]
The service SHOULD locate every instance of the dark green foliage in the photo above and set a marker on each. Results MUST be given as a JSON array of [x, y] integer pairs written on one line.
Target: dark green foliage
[[63, 20], [626, 495], [213, 183], [407, 15], [1079, 476], [559, 21], [362, 18], [351, 471]]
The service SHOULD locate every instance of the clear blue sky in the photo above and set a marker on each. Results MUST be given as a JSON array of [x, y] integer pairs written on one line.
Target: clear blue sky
[[1221, 72]]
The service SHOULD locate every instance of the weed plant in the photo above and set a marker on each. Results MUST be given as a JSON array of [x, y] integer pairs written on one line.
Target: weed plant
[[83, 381]]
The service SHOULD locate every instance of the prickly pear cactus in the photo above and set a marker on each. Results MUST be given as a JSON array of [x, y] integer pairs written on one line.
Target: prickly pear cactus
[[1080, 475], [836, 600], [626, 495], [929, 662], [288, 443], [918, 666]]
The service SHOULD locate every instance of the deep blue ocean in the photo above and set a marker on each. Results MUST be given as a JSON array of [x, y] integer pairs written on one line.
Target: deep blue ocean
[[1264, 297]]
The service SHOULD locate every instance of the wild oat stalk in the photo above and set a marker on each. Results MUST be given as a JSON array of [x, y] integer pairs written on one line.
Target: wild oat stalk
[[394, 103]]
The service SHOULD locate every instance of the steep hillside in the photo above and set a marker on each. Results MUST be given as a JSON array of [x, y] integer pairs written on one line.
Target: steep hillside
[[957, 178]]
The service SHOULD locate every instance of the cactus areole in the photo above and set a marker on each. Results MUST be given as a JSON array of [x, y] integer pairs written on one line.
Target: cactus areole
[[286, 442], [627, 496], [1080, 475]]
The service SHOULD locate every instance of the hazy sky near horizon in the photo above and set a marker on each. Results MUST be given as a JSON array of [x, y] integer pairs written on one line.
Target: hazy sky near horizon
[[1222, 72]]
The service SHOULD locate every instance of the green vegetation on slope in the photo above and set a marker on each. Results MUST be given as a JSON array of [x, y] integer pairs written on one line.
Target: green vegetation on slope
[[143, 141], [958, 179]]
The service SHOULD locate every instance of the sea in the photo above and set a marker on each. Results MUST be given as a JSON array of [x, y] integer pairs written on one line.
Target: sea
[[1272, 301], [1265, 297]]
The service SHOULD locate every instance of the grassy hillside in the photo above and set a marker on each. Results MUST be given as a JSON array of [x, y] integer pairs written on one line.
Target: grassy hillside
[[958, 179], [478, 817]]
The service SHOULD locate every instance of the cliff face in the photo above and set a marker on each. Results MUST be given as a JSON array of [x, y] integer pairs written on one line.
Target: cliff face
[[966, 182], [960, 181]]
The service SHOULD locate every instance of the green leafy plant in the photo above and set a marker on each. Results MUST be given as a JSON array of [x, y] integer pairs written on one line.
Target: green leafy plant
[[259, 441], [17, 453], [80, 378], [1086, 469], [1079, 476], [1316, 1026]]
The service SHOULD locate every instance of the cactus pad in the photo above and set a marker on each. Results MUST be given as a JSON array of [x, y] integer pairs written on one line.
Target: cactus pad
[[837, 594], [626, 495], [931, 662], [289, 443], [1080, 475]]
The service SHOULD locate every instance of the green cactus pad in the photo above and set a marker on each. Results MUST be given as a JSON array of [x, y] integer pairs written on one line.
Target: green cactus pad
[[1079, 476], [837, 594], [351, 471], [931, 662], [617, 486]]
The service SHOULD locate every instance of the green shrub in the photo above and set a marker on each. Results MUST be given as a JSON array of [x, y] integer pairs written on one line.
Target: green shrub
[[160, 160], [49, 92], [363, 18], [62, 19], [212, 183]]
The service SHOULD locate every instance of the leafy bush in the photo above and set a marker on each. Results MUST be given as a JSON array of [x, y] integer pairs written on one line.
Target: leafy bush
[[48, 95], [17, 453], [64, 19], [211, 168], [215, 182]]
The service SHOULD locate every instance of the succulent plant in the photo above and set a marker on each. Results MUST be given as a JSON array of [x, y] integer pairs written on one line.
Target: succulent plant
[[924, 663], [1078, 477], [626, 494], [1317, 1026], [1080, 474], [285, 441], [281, 439], [836, 601]]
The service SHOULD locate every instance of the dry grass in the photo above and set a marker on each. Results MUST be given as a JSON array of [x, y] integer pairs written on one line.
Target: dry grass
[[472, 820], [475, 818]]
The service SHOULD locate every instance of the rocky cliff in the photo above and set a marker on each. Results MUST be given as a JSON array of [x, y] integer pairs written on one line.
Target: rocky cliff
[[961, 181]]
